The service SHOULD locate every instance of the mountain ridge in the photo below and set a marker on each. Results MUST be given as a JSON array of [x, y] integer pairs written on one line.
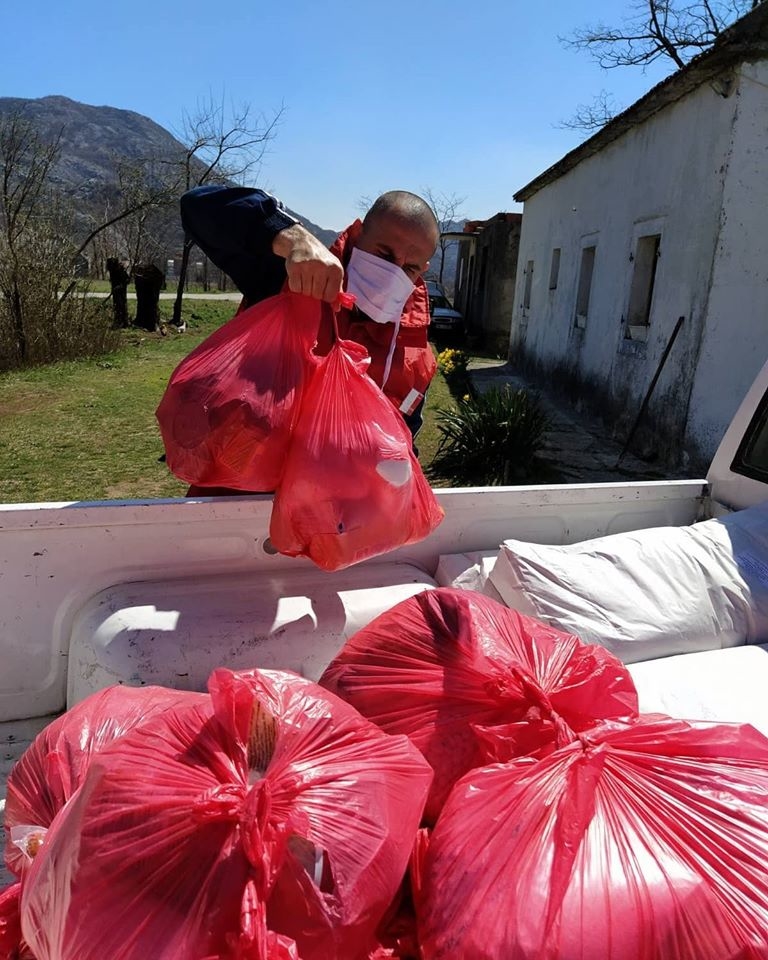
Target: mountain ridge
[[95, 138]]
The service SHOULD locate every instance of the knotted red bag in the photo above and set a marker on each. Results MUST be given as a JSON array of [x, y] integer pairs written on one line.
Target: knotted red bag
[[272, 822], [55, 764], [641, 841], [470, 681]]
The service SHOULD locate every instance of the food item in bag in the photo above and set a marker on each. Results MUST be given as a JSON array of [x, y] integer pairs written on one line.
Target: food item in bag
[[272, 818], [229, 407], [352, 486], [471, 682], [635, 841]]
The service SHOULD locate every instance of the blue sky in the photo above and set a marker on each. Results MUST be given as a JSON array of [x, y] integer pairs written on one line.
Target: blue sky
[[460, 97]]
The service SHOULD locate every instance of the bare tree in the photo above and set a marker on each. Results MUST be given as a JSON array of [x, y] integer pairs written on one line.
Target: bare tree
[[41, 253], [220, 145], [38, 256], [592, 116], [447, 210], [130, 222], [672, 30], [25, 164]]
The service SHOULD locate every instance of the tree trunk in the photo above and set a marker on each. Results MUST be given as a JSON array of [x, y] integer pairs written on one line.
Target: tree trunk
[[148, 281], [17, 313], [188, 244], [118, 281]]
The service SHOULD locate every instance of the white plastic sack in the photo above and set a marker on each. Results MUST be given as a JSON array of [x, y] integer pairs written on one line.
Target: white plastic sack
[[648, 593], [468, 571], [724, 686]]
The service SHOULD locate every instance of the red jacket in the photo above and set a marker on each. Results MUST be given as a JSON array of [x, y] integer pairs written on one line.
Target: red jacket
[[413, 363]]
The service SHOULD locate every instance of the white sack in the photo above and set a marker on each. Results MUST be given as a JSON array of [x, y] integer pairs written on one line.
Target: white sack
[[648, 593]]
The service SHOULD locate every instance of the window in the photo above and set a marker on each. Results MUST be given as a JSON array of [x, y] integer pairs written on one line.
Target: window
[[645, 258], [751, 458], [585, 285], [528, 285], [554, 270]]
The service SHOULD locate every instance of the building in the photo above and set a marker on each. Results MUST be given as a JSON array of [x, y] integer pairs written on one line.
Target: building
[[644, 254], [485, 276]]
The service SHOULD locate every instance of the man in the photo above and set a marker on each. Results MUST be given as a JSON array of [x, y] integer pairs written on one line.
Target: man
[[381, 260]]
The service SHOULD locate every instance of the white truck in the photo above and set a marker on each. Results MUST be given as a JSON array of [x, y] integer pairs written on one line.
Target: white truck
[[161, 592]]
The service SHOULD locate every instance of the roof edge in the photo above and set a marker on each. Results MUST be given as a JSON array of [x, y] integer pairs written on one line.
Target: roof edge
[[745, 40]]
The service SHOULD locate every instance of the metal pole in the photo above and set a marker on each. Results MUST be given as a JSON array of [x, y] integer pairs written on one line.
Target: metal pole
[[646, 399]]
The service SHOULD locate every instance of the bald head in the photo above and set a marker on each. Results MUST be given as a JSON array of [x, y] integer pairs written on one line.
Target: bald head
[[400, 227], [405, 206]]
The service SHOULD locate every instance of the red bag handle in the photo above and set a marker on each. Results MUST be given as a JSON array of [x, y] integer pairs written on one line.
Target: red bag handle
[[346, 301]]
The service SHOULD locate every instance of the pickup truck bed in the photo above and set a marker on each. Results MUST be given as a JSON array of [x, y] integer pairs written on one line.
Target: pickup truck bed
[[101, 586]]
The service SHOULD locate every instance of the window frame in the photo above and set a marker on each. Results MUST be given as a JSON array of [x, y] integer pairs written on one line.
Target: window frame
[[588, 242], [554, 267]]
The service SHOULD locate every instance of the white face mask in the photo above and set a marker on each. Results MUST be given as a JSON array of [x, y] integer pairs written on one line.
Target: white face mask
[[380, 288]]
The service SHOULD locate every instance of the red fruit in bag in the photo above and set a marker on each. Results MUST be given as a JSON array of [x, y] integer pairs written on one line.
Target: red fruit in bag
[[352, 487], [641, 841], [229, 407], [470, 681], [55, 764], [272, 818]]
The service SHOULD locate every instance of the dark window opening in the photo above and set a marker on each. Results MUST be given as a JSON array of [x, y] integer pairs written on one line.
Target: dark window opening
[[585, 285], [643, 279], [554, 270], [528, 285]]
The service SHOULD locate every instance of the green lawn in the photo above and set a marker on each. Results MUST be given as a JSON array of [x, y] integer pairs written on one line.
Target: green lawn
[[86, 430]]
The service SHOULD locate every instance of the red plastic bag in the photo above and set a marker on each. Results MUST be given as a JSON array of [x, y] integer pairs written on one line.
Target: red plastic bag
[[56, 762], [273, 818], [472, 682], [11, 944], [352, 487], [397, 938], [229, 407], [646, 841]]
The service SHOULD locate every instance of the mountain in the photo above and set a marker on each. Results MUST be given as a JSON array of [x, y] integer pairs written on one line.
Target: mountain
[[94, 139]]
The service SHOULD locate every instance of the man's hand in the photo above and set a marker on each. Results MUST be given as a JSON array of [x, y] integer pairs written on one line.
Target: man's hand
[[311, 267]]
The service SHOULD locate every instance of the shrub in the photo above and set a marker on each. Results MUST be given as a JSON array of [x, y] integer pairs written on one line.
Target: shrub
[[490, 439], [453, 366]]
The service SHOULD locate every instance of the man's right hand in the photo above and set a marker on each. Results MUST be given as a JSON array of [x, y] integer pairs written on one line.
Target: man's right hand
[[311, 267]]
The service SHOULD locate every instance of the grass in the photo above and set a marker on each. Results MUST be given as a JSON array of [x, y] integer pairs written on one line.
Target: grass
[[86, 430]]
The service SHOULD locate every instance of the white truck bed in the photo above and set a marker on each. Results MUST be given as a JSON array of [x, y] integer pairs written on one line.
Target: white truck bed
[[88, 586]]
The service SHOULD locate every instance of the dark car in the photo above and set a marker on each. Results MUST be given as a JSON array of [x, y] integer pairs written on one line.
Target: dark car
[[445, 318]]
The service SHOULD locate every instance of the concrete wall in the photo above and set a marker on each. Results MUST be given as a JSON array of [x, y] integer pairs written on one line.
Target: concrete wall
[[486, 273], [734, 345], [666, 176]]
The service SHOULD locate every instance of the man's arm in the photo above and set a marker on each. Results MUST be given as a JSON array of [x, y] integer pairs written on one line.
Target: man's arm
[[311, 268], [248, 235]]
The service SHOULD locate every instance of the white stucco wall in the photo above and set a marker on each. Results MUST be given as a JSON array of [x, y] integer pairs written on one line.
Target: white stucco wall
[[666, 175], [735, 340]]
